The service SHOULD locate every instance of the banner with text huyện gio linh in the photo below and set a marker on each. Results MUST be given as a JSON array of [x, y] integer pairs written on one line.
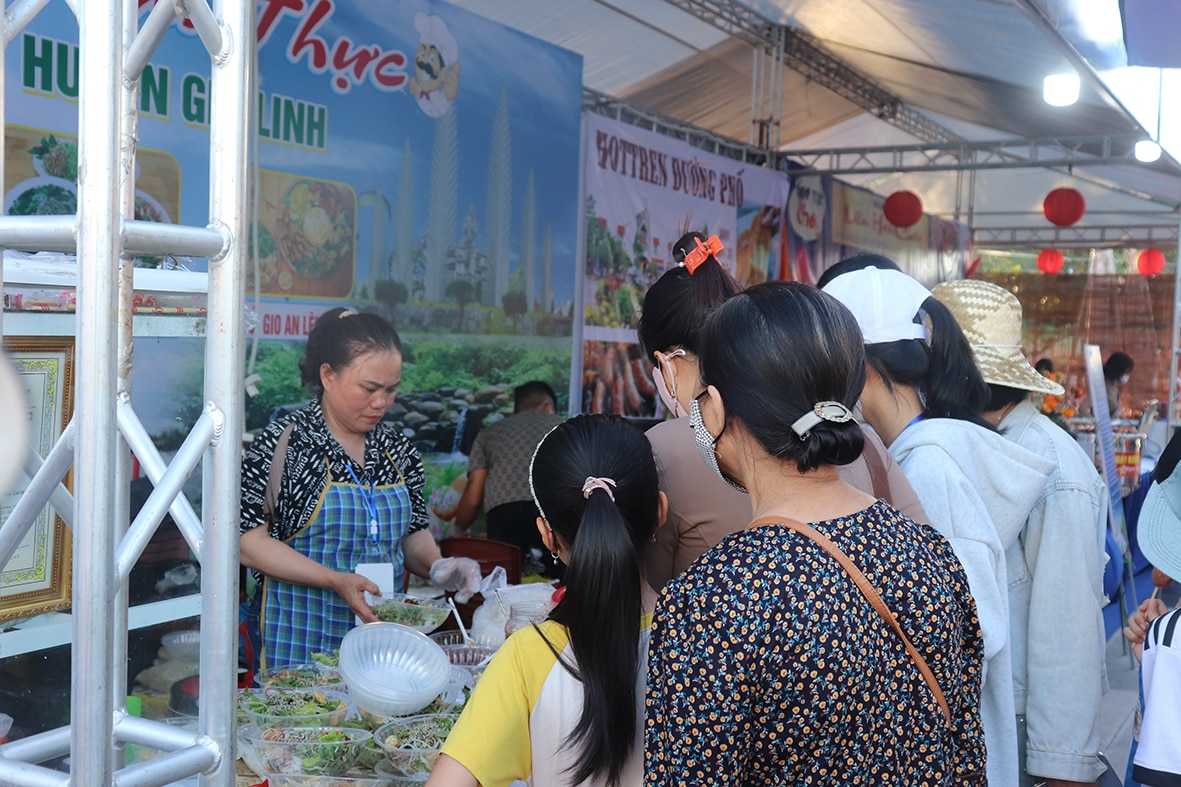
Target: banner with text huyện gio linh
[[413, 158]]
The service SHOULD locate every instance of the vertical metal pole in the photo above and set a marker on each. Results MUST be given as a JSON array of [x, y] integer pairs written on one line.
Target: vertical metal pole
[[121, 462], [225, 345], [101, 70]]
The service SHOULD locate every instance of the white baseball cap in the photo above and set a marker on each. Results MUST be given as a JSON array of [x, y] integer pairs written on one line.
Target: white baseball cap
[[888, 304]]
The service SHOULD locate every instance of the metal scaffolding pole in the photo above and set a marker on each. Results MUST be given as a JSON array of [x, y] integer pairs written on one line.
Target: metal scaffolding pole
[[112, 56]]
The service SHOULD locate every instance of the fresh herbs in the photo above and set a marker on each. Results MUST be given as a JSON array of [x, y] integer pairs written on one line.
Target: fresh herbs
[[58, 158], [410, 612]]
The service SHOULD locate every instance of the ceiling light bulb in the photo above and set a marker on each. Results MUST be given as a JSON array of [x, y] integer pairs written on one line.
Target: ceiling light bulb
[[1061, 90], [1147, 151]]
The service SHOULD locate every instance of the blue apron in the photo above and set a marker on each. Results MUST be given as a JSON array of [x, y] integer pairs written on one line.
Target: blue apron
[[298, 621]]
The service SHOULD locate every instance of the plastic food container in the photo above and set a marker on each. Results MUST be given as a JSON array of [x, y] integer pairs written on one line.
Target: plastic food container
[[420, 614], [412, 745], [183, 645], [392, 670], [301, 676], [385, 770], [265, 708], [301, 780], [315, 751]]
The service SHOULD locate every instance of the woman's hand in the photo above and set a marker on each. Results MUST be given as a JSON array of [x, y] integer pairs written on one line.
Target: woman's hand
[[258, 550], [1137, 628], [352, 588]]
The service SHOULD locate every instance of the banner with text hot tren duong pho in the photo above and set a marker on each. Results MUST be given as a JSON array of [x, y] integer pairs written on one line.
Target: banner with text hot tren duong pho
[[643, 191]]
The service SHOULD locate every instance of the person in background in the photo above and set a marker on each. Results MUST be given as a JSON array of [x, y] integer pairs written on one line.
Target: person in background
[[1058, 652], [924, 396], [497, 476], [1044, 367], [1155, 759], [561, 703], [348, 492], [1117, 370], [703, 510], [768, 665]]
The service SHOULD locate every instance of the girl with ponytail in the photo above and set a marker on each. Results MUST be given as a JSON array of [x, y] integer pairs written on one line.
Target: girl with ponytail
[[562, 701], [925, 396]]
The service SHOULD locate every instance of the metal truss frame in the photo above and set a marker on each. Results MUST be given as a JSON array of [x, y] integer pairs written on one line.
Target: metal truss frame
[[1092, 237], [1046, 152], [105, 430], [803, 53], [602, 104]]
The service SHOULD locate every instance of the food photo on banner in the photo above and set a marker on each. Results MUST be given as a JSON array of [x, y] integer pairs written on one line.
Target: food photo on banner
[[422, 164], [643, 191]]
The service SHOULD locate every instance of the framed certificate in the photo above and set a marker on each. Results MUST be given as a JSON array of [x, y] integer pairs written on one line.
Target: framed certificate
[[37, 578]]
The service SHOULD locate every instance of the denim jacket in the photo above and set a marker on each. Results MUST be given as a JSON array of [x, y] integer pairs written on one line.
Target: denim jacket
[[1055, 573]]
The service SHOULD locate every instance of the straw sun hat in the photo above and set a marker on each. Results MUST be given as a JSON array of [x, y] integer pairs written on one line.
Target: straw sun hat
[[990, 317]]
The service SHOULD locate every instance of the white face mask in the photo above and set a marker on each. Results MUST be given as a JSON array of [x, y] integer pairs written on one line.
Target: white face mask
[[705, 445], [1124, 380]]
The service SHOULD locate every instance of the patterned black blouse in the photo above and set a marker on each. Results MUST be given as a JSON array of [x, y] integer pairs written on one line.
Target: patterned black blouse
[[303, 470], [767, 665]]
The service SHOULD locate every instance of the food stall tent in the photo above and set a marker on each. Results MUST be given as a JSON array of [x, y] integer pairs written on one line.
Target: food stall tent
[[943, 99]]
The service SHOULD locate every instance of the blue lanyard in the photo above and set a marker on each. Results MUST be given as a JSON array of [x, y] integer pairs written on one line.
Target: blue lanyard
[[369, 499], [914, 421]]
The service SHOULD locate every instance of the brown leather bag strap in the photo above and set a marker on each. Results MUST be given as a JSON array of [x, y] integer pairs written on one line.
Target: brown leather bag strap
[[871, 595], [878, 476]]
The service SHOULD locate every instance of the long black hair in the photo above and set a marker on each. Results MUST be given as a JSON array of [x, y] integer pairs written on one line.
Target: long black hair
[[944, 371], [602, 606], [339, 336], [774, 352], [676, 305]]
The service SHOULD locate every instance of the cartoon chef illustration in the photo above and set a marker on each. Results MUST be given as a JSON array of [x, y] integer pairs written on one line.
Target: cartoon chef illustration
[[436, 66]]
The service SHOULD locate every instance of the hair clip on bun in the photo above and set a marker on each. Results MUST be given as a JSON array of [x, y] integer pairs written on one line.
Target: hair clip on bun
[[695, 257], [834, 412]]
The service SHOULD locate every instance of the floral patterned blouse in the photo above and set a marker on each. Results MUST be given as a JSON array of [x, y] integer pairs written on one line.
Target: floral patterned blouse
[[768, 666]]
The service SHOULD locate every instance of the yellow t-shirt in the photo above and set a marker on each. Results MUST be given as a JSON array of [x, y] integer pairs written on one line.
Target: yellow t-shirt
[[525, 706]]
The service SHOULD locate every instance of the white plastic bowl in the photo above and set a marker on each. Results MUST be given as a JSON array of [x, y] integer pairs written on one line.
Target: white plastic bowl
[[392, 670], [183, 645]]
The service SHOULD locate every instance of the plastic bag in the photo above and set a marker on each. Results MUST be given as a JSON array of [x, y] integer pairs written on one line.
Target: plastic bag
[[489, 619]]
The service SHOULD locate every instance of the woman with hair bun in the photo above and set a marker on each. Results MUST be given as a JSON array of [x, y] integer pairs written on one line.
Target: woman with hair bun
[[844, 651], [561, 703], [702, 509]]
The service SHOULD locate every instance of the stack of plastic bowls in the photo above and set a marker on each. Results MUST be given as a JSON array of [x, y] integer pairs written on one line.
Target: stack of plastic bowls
[[392, 670]]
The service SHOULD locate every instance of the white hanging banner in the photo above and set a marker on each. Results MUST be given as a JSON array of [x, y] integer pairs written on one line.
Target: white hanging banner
[[643, 191]]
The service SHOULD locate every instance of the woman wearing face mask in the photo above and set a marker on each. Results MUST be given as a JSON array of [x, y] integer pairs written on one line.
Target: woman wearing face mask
[[925, 396], [702, 509], [770, 662]]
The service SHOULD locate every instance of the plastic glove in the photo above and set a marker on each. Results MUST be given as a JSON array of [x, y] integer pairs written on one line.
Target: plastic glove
[[459, 574]]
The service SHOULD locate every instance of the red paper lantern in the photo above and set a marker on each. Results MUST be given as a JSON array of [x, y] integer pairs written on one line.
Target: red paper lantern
[[1050, 261], [903, 209], [1150, 262], [1064, 206]]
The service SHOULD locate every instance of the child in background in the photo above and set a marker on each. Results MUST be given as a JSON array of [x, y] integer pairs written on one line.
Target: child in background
[[1155, 759]]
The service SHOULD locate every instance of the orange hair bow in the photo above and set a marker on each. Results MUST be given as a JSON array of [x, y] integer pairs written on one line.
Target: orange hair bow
[[699, 255]]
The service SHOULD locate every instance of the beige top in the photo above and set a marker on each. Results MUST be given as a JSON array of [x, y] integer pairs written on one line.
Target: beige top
[[702, 510]]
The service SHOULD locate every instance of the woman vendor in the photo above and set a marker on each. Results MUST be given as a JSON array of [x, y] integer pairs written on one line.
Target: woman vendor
[[330, 487]]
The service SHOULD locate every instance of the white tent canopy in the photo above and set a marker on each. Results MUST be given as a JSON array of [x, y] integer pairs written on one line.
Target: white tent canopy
[[860, 75]]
